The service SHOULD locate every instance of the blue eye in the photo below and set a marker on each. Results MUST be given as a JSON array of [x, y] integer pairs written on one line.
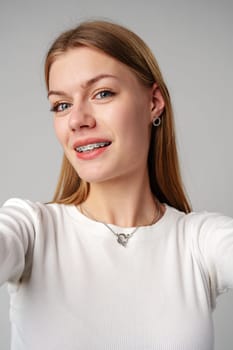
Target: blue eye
[[104, 94], [60, 107]]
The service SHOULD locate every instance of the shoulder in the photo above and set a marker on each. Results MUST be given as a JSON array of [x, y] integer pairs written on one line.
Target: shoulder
[[204, 229], [210, 225], [200, 221], [19, 207], [208, 233]]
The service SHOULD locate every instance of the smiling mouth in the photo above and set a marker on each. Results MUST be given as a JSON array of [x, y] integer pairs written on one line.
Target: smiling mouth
[[92, 146]]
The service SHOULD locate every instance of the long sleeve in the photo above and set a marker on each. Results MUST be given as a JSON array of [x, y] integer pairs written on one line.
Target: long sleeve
[[83, 290], [213, 246], [17, 228]]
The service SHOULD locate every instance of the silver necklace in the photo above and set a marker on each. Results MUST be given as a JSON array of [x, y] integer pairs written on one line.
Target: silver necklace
[[123, 238]]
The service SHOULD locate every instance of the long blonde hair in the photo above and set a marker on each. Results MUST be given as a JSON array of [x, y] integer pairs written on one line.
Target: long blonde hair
[[125, 46]]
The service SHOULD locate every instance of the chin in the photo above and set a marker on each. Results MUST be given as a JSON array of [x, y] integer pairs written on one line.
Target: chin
[[90, 176], [95, 178]]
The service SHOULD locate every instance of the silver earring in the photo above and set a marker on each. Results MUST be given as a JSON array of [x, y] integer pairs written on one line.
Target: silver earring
[[156, 121]]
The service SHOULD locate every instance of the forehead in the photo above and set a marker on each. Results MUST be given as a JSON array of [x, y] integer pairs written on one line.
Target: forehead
[[83, 63]]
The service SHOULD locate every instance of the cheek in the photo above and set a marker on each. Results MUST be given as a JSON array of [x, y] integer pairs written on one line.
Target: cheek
[[133, 135], [134, 122], [139, 131]]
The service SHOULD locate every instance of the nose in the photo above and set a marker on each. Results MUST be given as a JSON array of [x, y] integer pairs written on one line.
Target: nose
[[81, 117]]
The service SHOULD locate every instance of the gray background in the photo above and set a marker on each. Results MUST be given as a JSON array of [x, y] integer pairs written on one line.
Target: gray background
[[193, 43]]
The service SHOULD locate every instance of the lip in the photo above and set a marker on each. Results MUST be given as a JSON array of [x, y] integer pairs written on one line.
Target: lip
[[88, 141], [95, 154]]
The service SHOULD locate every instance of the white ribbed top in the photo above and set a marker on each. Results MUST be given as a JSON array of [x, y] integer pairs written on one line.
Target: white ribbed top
[[72, 286]]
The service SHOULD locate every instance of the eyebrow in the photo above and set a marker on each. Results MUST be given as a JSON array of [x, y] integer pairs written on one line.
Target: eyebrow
[[84, 85]]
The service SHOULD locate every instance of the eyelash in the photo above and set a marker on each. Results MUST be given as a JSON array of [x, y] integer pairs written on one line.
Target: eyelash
[[109, 92], [56, 106]]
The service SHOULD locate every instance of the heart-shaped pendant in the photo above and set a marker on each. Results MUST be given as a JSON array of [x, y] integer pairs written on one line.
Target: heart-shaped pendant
[[122, 239]]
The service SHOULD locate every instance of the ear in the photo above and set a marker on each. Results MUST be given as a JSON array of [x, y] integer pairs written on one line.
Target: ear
[[157, 102]]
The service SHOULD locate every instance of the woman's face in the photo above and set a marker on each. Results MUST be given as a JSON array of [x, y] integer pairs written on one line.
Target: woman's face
[[102, 114]]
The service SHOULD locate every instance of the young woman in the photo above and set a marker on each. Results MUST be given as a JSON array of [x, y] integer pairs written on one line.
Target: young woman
[[116, 260]]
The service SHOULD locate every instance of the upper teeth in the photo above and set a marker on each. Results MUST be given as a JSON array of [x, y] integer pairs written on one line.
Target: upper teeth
[[92, 146]]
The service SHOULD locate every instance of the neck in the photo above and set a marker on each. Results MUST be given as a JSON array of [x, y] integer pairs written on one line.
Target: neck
[[125, 203]]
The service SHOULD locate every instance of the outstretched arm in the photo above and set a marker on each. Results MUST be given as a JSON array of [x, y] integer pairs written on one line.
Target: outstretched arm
[[17, 227]]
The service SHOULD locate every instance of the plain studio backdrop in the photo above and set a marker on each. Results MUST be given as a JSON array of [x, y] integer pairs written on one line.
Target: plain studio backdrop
[[193, 43]]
